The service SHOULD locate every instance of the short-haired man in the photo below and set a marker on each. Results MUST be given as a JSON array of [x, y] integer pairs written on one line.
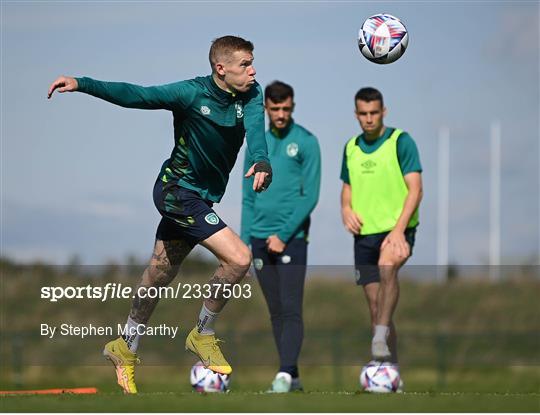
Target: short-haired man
[[211, 116], [382, 189], [276, 225]]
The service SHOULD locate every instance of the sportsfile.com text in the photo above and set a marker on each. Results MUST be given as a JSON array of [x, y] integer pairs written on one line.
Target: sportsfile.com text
[[117, 291]]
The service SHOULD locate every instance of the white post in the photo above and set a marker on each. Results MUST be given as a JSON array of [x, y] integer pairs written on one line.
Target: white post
[[538, 164], [495, 203], [443, 201]]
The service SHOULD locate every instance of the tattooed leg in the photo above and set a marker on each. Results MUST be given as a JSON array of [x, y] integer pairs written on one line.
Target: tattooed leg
[[166, 260], [224, 277], [234, 257]]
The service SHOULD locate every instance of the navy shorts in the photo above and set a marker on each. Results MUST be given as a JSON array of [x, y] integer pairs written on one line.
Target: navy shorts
[[367, 250], [185, 214]]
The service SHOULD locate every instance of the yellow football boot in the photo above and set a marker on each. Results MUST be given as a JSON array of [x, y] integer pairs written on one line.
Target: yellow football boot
[[124, 361], [205, 347]]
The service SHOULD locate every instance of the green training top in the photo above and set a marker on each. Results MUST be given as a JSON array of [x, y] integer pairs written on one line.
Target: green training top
[[285, 207], [407, 152], [209, 127]]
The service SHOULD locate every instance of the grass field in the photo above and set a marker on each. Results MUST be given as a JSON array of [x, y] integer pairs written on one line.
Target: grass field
[[346, 401], [167, 390]]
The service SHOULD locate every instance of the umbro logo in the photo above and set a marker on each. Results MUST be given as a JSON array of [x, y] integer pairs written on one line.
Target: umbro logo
[[368, 164], [205, 110]]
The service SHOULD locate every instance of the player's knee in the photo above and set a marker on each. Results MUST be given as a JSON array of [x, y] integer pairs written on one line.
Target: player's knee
[[241, 260], [291, 315], [292, 309], [275, 316], [245, 259], [389, 262]]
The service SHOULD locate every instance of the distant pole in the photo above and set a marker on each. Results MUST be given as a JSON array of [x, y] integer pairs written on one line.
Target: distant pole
[[495, 203], [443, 205], [539, 168]]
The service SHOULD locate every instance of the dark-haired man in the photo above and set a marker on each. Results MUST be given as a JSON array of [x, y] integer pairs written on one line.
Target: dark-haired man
[[276, 224], [382, 189], [211, 116]]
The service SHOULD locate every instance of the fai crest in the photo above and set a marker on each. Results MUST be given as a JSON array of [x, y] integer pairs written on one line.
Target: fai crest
[[239, 109], [258, 263], [212, 218], [292, 149]]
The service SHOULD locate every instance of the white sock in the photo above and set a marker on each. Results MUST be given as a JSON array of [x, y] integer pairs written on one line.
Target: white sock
[[132, 336], [381, 333], [207, 318]]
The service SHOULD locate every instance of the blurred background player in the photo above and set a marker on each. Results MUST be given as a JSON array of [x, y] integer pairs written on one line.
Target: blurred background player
[[382, 189], [276, 225], [211, 116]]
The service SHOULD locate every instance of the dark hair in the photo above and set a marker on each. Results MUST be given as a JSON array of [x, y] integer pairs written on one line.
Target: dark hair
[[368, 94], [278, 91], [227, 45]]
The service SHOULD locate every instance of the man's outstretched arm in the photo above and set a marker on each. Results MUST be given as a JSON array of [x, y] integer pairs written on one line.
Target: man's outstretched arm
[[177, 95]]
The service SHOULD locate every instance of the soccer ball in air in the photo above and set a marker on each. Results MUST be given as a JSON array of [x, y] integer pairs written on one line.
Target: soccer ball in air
[[383, 38], [380, 377], [206, 380]]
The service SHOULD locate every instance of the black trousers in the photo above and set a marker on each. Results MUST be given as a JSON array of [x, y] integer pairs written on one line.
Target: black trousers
[[282, 282]]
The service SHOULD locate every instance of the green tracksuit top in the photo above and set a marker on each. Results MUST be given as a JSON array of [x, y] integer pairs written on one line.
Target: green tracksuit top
[[284, 209], [209, 127]]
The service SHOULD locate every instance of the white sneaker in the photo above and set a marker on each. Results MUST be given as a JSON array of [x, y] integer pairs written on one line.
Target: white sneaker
[[281, 383], [380, 351]]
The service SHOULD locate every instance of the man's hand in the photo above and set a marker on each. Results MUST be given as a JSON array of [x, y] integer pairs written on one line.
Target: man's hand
[[397, 243], [263, 175], [63, 84], [275, 245], [353, 223]]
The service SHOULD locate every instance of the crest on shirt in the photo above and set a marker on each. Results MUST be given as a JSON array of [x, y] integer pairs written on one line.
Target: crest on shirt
[[205, 110], [258, 263], [239, 109], [212, 218], [292, 149]]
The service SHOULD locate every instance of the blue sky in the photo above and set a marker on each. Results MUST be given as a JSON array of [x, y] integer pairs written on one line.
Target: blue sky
[[77, 173]]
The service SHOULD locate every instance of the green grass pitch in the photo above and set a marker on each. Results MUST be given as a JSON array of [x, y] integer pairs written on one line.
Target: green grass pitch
[[259, 402]]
